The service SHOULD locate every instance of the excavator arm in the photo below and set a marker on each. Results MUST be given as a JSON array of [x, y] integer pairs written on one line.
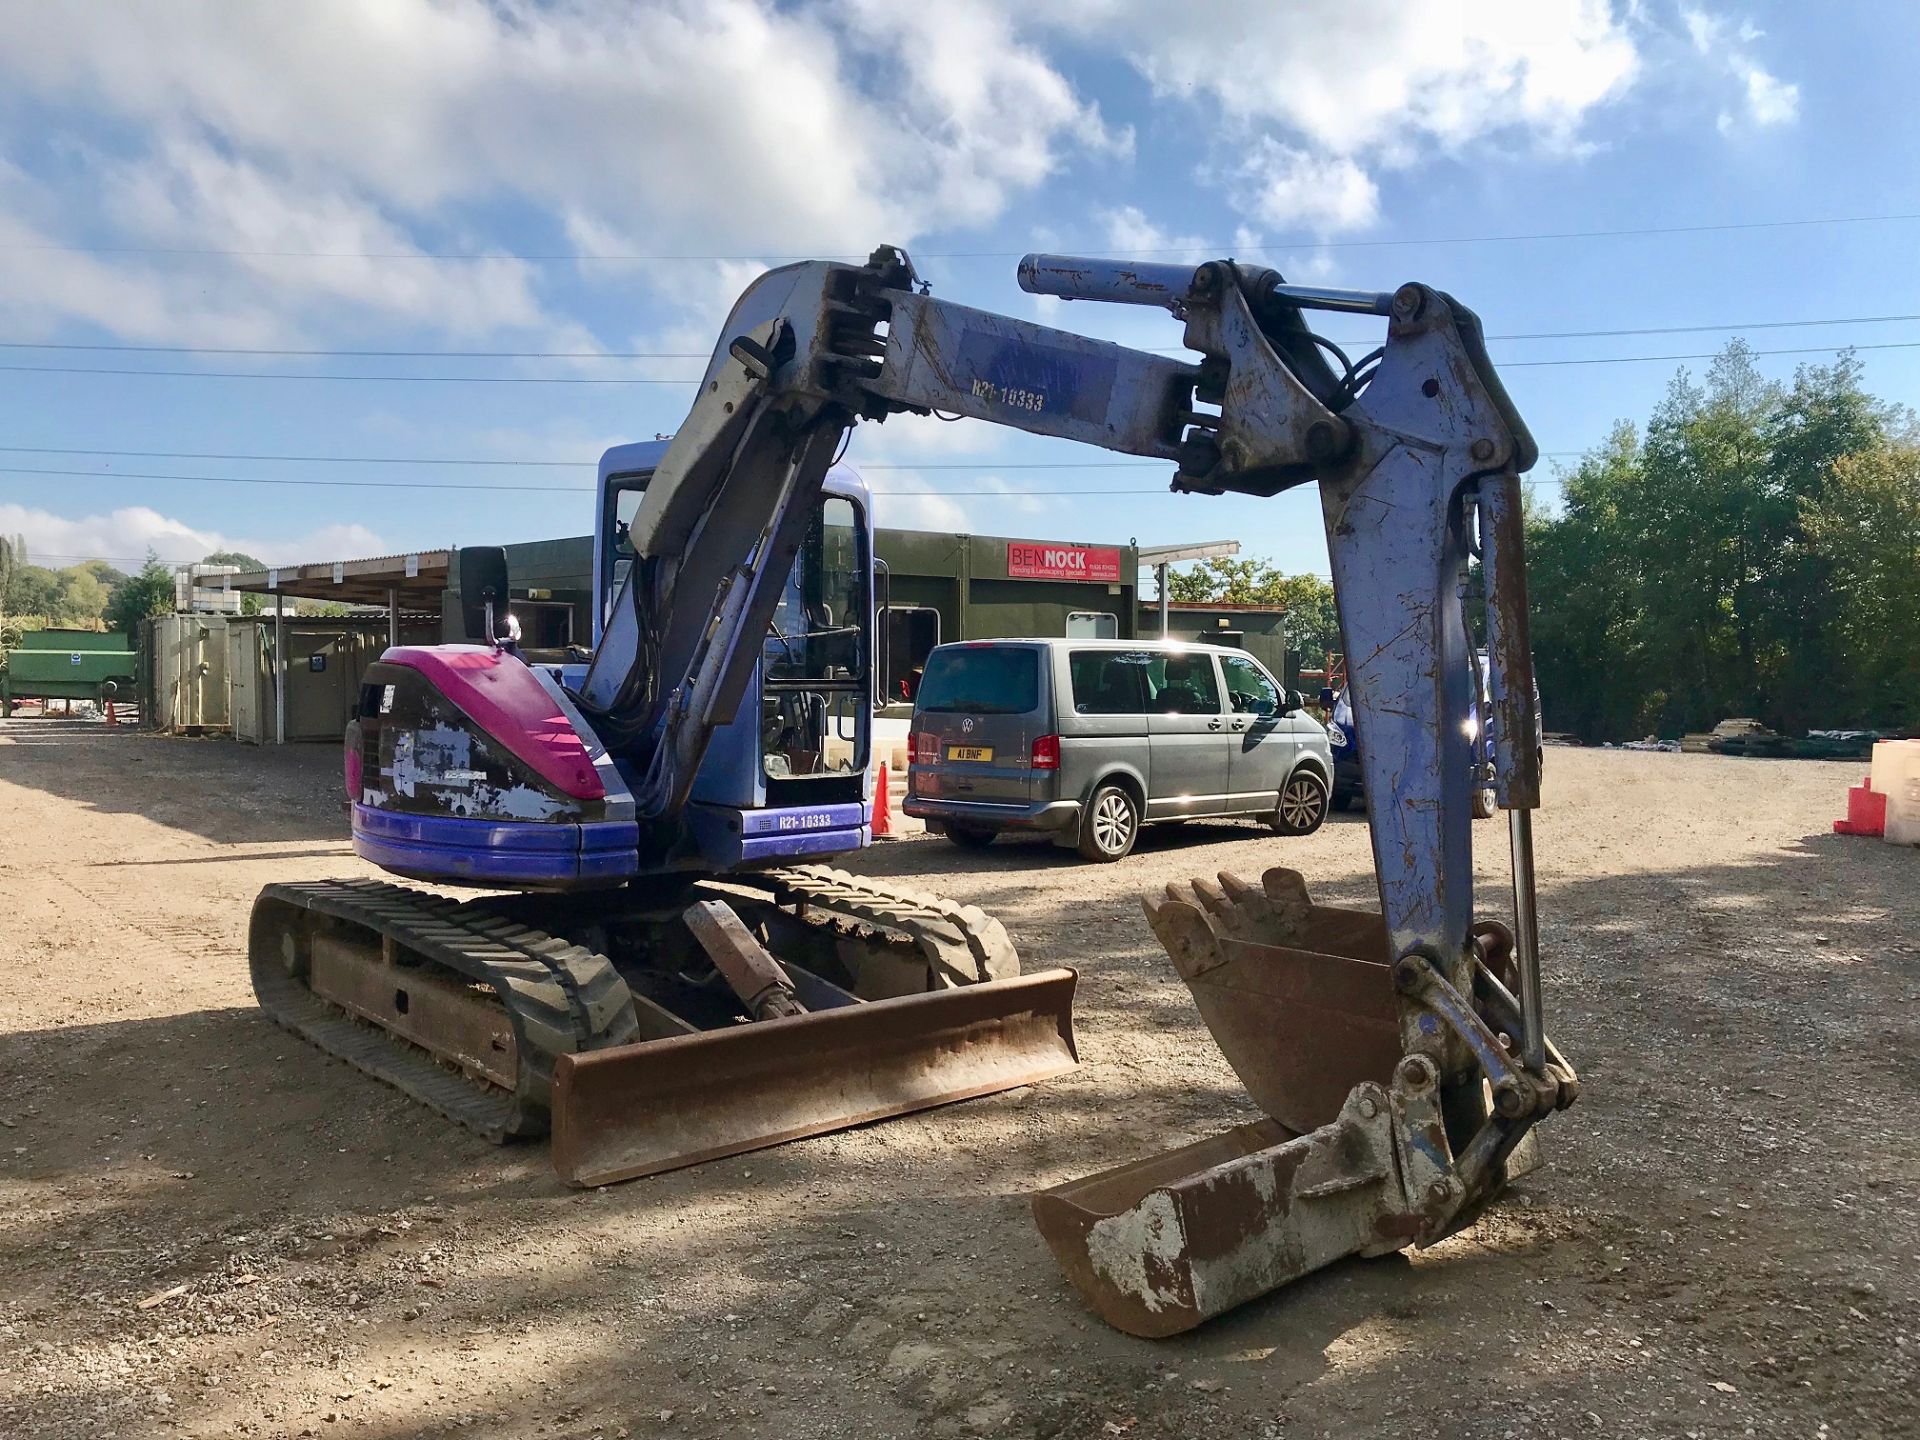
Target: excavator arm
[[1402, 1135]]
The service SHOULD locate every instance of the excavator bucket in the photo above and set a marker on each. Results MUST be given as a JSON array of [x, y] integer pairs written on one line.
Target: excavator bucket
[[636, 1110], [1301, 1002]]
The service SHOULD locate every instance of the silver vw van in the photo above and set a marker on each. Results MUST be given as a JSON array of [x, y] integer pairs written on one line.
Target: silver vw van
[[1090, 739]]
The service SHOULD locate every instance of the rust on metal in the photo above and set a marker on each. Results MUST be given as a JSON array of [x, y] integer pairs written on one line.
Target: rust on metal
[[758, 979], [637, 1110], [1160, 1245], [455, 1021], [1298, 996]]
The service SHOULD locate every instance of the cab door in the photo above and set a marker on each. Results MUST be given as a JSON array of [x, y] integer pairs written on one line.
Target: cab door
[[1187, 737], [1263, 741]]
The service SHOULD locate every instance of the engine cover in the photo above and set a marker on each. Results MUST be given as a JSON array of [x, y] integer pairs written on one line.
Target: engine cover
[[467, 767]]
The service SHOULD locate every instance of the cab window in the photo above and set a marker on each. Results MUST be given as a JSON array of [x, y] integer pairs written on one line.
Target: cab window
[[912, 632], [1248, 687]]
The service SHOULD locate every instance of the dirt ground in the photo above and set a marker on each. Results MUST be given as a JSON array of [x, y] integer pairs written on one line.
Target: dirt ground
[[207, 1228]]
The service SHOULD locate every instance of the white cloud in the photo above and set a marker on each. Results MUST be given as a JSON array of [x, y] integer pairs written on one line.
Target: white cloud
[[1130, 232], [1770, 101], [1325, 91], [950, 501], [1765, 99], [124, 536], [1291, 189], [661, 128]]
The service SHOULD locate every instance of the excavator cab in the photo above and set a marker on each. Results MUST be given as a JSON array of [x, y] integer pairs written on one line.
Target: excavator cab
[[611, 989]]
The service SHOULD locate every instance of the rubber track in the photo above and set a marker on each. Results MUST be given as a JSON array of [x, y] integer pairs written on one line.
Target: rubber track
[[559, 997], [964, 944]]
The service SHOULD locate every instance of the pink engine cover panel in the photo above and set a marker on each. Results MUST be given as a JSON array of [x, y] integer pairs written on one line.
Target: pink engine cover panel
[[500, 695]]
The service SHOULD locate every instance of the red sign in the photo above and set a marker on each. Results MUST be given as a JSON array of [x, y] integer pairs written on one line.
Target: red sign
[[1039, 560]]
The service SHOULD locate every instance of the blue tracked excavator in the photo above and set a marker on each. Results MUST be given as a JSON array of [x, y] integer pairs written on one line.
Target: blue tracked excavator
[[662, 983]]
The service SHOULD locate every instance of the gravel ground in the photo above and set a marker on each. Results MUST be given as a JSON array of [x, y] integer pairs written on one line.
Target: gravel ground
[[206, 1228]]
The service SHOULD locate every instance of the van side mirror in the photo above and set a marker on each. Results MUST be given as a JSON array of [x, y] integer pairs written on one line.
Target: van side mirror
[[1326, 697], [1295, 701], [483, 590]]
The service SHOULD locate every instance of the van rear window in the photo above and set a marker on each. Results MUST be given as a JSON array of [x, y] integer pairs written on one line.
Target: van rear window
[[984, 680]]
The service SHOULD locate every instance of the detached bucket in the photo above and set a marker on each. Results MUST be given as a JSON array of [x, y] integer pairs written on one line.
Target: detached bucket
[[1300, 999], [640, 1109]]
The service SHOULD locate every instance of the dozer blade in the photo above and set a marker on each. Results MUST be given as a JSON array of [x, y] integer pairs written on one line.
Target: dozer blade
[[640, 1109]]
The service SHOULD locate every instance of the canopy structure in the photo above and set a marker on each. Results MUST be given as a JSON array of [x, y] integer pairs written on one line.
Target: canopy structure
[[413, 581], [1161, 556]]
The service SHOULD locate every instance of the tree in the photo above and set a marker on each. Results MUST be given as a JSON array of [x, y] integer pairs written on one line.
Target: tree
[[1864, 533], [142, 595], [83, 599], [1313, 628], [33, 590], [1702, 571], [1222, 580], [103, 572], [234, 557]]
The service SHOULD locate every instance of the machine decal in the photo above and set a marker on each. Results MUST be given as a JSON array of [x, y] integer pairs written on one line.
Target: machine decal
[[1039, 379]]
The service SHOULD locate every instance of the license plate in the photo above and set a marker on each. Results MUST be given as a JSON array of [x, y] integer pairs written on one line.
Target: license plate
[[969, 752]]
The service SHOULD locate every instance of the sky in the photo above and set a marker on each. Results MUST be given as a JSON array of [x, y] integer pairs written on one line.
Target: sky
[[405, 252]]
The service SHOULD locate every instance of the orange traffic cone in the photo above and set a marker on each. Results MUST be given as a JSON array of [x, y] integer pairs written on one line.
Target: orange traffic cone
[[882, 807], [111, 720]]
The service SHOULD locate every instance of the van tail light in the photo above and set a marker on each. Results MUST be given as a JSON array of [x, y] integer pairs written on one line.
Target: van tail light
[[923, 747], [1046, 752]]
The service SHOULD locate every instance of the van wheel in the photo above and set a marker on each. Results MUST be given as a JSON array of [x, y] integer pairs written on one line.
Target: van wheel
[[969, 837], [1303, 804], [1111, 825], [1483, 803]]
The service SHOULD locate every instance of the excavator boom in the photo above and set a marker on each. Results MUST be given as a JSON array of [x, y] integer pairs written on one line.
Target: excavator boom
[[1401, 1136]]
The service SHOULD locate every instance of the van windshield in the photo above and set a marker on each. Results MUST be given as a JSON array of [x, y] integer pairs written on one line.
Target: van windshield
[[987, 680]]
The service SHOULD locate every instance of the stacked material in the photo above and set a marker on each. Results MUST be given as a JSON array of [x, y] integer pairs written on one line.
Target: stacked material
[[1887, 802], [1836, 744], [1745, 736], [1896, 774]]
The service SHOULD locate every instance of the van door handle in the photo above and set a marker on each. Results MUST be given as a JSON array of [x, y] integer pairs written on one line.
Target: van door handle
[[1213, 724]]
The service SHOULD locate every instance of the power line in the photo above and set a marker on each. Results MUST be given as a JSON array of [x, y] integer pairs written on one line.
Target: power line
[[1708, 355], [459, 485], [626, 380], [120, 349], [290, 459], [360, 354], [403, 379], [1298, 242]]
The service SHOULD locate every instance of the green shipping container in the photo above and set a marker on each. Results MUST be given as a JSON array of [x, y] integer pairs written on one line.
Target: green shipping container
[[66, 665]]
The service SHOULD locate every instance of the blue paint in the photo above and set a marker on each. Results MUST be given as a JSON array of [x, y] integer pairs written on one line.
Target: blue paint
[[1017, 374], [727, 835], [486, 852]]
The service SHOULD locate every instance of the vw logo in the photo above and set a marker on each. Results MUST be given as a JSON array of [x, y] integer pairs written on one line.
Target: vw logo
[[966, 726]]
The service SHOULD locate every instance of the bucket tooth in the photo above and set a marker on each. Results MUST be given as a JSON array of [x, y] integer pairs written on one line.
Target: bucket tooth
[[1299, 997]]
